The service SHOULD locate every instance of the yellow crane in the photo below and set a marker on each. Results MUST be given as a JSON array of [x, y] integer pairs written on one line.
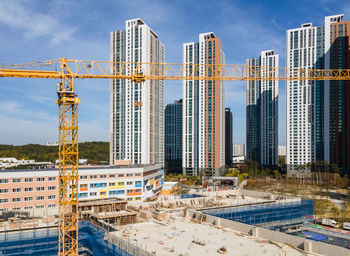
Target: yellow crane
[[69, 70]]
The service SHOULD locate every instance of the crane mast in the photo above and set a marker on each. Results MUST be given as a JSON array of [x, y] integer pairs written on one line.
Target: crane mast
[[68, 163], [137, 72]]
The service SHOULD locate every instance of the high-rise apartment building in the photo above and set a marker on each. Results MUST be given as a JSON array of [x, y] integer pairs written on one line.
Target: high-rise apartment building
[[239, 149], [228, 136], [262, 111], [173, 136], [137, 110], [203, 109], [308, 101], [339, 100]]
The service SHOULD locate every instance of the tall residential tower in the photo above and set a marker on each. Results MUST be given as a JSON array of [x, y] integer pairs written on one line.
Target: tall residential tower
[[173, 136], [262, 111], [228, 136], [308, 101], [339, 99], [137, 110], [203, 110]]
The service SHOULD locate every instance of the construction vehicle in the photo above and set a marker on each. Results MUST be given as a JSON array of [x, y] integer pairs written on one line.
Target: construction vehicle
[[66, 71]]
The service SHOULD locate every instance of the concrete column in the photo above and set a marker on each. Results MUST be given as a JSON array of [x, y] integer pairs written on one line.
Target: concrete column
[[256, 232], [308, 246]]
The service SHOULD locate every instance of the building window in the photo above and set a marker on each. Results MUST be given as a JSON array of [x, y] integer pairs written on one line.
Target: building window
[[51, 205], [39, 206], [93, 176], [28, 198], [83, 185], [129, 191], [93, 185], [16, 180], [4, 200], [51, 188], [28, 189], [103, 193], [112, 184], [83, 195], [138, 190], [39, 198], [120, 175], [28, 180], [4, 181], [16, 190], [4, 190], [137, 174], [40, 179], [102, 176], [112, 175], [16, 199], [103, 185], [129, 175], [93, 193], [83, 177], [16, 209], [28, 207], [40, 188], [120, 183], [51, 197], [52, 178]]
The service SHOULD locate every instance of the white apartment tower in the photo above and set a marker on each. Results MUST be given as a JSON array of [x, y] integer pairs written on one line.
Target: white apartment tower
[[308, 101], [262, 111], [203, 109], [137, 110]]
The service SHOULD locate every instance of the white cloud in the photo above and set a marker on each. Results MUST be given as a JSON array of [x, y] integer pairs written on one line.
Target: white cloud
[[9, 107], [22, 130], [18, 15]]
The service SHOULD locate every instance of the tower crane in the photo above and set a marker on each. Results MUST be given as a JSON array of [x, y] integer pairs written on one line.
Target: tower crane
[[69, 70]]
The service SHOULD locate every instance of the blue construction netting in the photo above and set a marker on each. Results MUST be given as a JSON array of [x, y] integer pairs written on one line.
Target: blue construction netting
[[44, 242], [276, 213], [186, 196]]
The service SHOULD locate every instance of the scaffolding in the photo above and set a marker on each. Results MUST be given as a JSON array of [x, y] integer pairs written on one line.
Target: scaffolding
[[107, 213], [43, 242]]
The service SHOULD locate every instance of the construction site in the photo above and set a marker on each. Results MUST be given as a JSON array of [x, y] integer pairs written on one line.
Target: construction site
[[206, 223]]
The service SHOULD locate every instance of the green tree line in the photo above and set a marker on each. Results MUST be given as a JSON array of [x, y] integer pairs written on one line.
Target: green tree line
[[95, 151]]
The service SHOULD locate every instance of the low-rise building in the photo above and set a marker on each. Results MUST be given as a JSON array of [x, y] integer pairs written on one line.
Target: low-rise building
[[37, 190], [10, 162]]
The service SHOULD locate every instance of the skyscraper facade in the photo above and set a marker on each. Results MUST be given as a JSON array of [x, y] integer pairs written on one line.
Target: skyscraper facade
[[262, 111], [173, 136], [308, 101], [340, 97], [228, 136], [203, 109], [137, 110]]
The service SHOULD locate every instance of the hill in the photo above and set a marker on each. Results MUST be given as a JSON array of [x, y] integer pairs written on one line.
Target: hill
[[95, 152]]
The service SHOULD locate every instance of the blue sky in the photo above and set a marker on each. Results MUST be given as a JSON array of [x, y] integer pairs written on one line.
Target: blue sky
[[39, 30]]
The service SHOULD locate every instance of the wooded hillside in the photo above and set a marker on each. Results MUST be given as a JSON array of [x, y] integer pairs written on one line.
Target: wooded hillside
[[95, 152]]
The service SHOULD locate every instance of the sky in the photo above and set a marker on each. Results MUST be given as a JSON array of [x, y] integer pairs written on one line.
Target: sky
[[41, 30]]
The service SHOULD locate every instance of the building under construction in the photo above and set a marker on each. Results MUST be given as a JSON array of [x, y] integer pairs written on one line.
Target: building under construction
[[196, 225]]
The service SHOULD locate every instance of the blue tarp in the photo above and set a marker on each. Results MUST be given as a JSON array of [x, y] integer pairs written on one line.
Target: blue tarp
[[314, 236]]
